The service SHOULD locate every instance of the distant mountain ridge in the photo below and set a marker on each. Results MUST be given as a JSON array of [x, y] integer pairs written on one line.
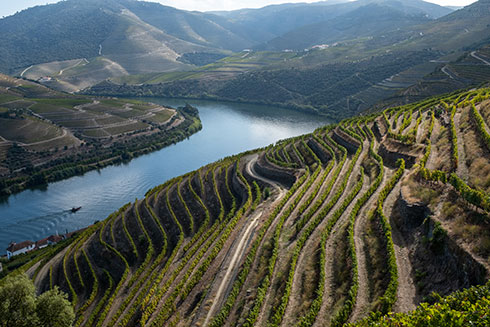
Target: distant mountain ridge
[[366, 21], [129, 33], [121, 30], [335, 80]]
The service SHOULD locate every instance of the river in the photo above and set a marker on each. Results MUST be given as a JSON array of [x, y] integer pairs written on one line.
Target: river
[[228, 128]]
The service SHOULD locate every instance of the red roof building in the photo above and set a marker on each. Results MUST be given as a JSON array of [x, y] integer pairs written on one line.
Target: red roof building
[[20, 248]]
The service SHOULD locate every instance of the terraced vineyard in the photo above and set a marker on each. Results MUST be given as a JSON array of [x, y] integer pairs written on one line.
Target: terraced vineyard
[[370, 215], [46, 135]]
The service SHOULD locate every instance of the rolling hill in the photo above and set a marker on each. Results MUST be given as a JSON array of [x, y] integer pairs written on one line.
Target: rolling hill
[[370, 215]]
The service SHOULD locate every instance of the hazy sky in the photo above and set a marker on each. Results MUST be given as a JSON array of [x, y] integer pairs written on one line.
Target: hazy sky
[[9, 7]]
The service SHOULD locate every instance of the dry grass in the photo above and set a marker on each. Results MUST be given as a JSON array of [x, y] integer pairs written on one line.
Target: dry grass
[[467, 226], [485, 111], [480, 174], [414, 191], [476, 154]]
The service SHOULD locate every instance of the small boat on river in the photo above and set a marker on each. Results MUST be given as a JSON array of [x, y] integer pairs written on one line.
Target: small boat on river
[[75, 209]]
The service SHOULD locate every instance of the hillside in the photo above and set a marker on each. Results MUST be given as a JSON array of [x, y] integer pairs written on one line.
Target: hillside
[[367, 21], [465, 71], [327, 89], [114, 38], [265, 24], [47, 136], [81, 43], [370, 64], [372, 214]]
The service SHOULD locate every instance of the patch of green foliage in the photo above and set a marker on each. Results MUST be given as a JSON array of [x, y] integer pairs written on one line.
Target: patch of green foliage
[[469, 307], [20, 306]]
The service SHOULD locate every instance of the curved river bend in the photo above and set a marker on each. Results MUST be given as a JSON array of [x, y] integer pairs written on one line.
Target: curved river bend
[[228, 129]]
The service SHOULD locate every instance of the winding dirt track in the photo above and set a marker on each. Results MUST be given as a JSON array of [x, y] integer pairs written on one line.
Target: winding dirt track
[[236, 254], [449, 73], [474, 55], [232, 269]]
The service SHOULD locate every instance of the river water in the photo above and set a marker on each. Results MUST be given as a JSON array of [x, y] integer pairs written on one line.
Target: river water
[[228, 129]]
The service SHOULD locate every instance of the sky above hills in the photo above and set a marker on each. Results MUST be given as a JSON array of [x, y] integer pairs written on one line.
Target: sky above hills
[[8, 7]]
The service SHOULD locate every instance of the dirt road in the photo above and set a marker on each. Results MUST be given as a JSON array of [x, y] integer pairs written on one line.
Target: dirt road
[[238, 251]]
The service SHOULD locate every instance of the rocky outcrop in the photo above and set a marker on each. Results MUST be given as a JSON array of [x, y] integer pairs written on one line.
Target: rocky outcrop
[[379, 129], [439, 263], [412, 214]]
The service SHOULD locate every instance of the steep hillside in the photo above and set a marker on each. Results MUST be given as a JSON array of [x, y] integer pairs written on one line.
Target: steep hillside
[[47, 136], [327, 89], [372, 19], [468, 70], [81, 43], [267, 23], [370, 215], [135, 35], [199, 28], [461, 30], [397, 65]]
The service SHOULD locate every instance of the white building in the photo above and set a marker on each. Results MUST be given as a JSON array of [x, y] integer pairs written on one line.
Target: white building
[[19, 248]]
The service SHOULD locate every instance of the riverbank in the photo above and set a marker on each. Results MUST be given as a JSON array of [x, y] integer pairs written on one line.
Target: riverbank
[[69, 162], [227, 129], [108, 88]]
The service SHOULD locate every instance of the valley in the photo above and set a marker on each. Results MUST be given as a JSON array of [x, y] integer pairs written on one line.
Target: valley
[[227, 128], [298, 164], [241, 240]]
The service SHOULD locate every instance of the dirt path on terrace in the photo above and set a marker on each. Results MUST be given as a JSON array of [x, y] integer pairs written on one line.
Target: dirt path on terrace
[[363, 299], [310, 246], [230, 265], [235, 257], [421, 132], [65, 132], [326, 314], [462, 170], [329, 290], [433, 153], [45, 269], [406, 285], [250, 282]]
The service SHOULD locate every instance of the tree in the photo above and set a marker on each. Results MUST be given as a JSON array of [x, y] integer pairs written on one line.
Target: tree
[[54, 310], [20, 307], [17, 302]]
